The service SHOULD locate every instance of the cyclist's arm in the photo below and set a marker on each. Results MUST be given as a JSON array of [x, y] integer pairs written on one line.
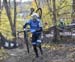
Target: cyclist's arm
[[40, 26], [27, 23]]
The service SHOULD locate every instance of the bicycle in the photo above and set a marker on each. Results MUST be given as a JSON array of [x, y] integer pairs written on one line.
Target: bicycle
[[23, 41]]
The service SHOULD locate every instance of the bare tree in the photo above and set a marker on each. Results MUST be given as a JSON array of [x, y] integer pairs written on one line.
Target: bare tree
[[49, 8], [8, 12], [12, 25], [0, 12], [37, 2], [14, 18], [73, 6], [9, 4], [55, 22], [0, 22]]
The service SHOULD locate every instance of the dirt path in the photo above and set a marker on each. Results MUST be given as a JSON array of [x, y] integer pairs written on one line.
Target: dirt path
[[52, 53]]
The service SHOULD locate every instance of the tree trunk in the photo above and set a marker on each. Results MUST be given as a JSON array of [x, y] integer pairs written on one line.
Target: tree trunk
[[0, 23], [49, 8], [55, 22], [14, 18], [9, 4], [0, 12], [8, 12], [13, 25], [37, 3], [73, 6]]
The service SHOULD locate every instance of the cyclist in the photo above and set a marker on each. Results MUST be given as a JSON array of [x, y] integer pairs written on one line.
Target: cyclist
[[61, 25], [35, 29]]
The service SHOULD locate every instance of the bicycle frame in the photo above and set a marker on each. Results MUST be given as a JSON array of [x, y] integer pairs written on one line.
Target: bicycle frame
[[25, 38]]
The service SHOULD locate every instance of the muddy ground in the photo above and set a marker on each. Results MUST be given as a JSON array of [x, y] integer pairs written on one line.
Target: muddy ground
[[62, 52]]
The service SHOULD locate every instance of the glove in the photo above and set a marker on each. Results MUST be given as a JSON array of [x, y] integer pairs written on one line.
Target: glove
[[24, 29]]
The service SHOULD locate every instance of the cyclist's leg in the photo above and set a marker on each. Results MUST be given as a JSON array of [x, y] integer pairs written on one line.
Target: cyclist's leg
[[39, 42], [40, 49], [35, 50], [34, 44]]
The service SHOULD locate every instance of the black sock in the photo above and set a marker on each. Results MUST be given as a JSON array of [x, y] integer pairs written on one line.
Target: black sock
[[35, 50], [40, 49]]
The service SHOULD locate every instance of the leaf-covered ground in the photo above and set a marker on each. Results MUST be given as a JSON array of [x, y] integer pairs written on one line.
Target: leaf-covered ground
[[64, 52]]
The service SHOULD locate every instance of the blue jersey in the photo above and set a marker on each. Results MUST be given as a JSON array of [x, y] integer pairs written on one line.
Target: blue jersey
[[34, 25]]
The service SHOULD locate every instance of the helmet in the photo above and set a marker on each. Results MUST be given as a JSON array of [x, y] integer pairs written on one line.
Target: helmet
[[61, 20], [35, 14]]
